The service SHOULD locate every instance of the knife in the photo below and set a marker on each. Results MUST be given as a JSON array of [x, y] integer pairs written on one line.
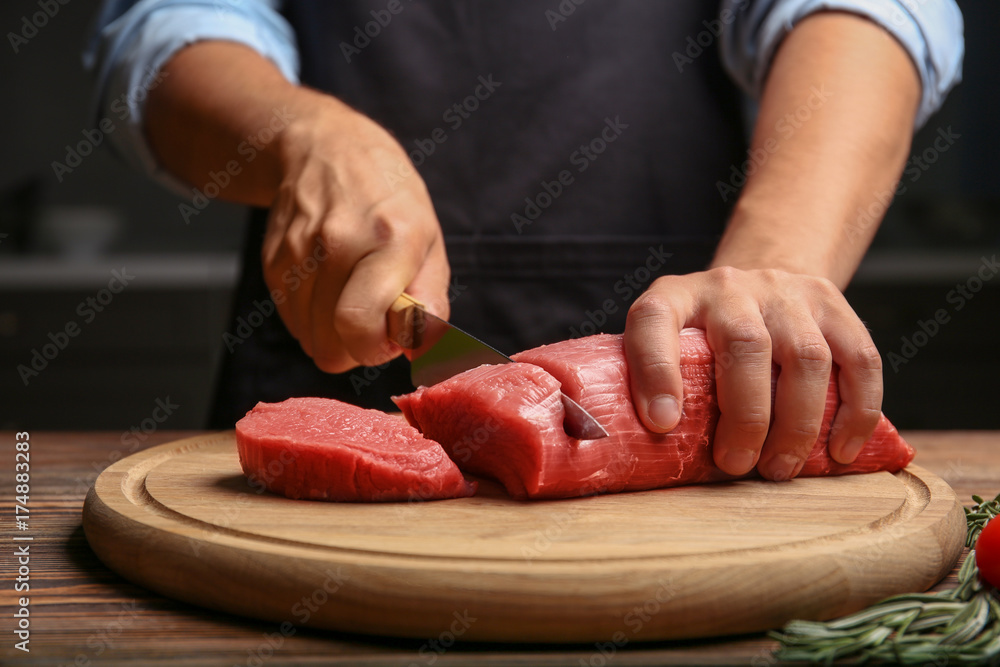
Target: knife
[[438, 350]]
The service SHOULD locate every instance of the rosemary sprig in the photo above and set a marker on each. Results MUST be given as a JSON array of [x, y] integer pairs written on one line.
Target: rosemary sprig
[[977, 517], [958, 626]]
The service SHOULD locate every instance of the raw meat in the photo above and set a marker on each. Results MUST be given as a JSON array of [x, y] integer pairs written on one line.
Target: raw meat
[[323, 449], [505, 422]]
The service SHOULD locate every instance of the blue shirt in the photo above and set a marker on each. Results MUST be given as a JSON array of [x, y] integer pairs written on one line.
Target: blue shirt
[[133, 39]]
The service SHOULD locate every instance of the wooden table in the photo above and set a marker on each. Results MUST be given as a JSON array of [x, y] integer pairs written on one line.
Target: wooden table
[[83, 614]]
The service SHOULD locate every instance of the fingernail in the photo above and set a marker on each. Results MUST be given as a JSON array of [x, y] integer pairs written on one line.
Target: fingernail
[[783, 467], [852, 448], [739, 461], [664, 411]]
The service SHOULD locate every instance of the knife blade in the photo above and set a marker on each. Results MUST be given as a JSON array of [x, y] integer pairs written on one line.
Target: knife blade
[[438, 350]]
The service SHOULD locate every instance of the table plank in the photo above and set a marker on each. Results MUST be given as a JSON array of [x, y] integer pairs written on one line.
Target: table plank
[[84, 614]]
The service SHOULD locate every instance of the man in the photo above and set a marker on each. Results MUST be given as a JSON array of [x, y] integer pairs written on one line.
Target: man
[[540, 164]]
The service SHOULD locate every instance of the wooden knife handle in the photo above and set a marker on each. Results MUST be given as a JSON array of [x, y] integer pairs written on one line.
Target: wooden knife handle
[[405, 322]]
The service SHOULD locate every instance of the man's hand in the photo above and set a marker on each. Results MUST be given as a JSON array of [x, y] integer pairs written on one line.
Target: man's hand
[[754, 318], [343, 239], [377, 236], [797, 234]]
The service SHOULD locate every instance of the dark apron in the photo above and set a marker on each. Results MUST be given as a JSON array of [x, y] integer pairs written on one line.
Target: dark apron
[[585, 167]]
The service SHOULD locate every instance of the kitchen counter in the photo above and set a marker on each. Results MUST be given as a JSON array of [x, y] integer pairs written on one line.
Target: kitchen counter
[[81, 613]]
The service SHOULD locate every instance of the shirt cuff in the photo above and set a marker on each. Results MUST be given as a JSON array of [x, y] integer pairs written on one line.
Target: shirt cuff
[[929, 30], [128, 53]]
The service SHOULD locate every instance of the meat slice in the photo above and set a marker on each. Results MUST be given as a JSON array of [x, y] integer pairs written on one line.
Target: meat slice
[[323, 449], [505, 422]]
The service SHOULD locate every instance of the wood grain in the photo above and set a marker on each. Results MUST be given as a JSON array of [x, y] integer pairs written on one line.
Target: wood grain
[[672, 563], [85, 614]]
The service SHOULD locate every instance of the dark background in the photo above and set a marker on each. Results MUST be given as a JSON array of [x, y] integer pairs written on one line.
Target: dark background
[[160, 339]]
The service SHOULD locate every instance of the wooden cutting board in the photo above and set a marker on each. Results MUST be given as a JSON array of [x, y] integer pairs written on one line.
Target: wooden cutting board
[[695, 561]]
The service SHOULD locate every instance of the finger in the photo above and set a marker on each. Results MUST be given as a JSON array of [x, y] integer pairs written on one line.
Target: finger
[[326, 283], [799, 348], [328, 279], [376, 280], [291, 294], [360, 314], [742, 346], [431, 286], [859, 383], [652, 351]]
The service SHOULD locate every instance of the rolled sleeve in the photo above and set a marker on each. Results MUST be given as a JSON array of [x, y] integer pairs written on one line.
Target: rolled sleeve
[[133, 40], [929, 30]]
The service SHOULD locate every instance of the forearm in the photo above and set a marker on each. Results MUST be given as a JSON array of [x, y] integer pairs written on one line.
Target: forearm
[[832, 136], [222, 103], [320, 167]]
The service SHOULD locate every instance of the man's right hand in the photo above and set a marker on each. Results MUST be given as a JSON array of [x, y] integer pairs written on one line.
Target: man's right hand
[[342, 200], [351, 224]]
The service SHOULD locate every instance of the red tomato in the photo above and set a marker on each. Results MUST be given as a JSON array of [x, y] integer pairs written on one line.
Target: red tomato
[[988, 552]]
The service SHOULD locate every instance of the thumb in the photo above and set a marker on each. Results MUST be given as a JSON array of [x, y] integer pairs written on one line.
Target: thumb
[[432, 283], [652, 350]]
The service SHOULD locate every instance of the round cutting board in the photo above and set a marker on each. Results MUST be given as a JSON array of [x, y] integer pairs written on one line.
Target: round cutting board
[[695, 561]]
